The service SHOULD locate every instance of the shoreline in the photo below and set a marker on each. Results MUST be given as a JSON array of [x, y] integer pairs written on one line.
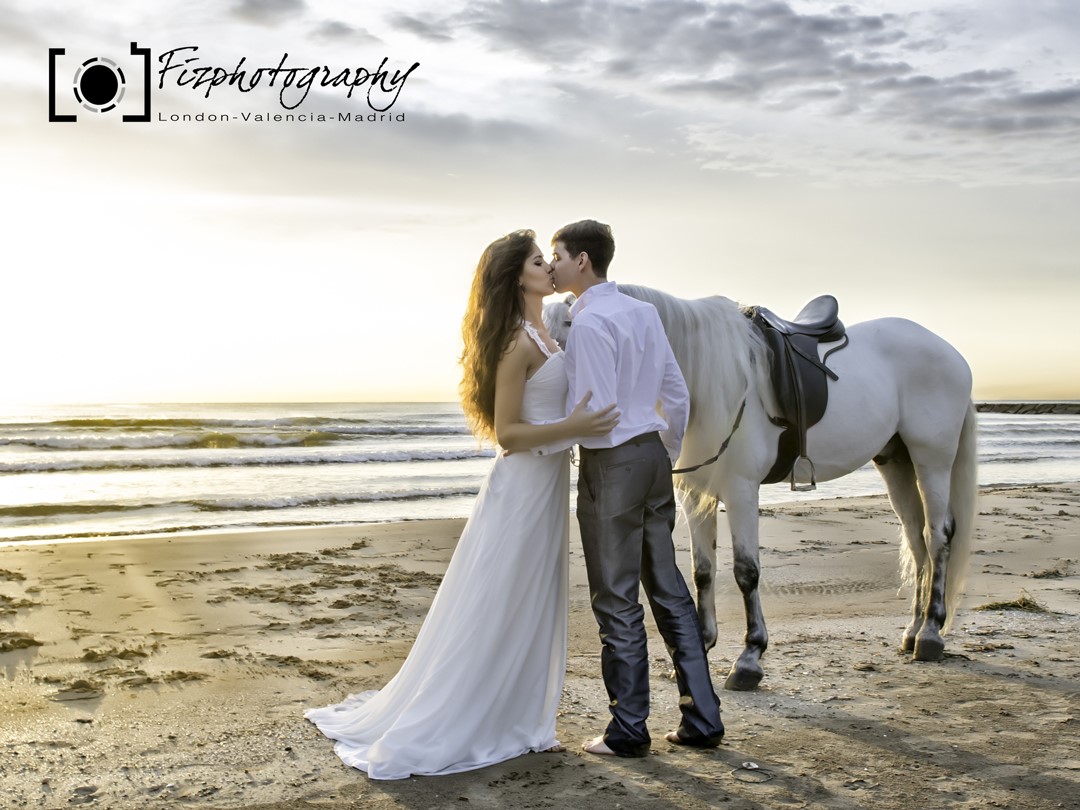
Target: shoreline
[[175, 669], [334, 527], [212, 531]]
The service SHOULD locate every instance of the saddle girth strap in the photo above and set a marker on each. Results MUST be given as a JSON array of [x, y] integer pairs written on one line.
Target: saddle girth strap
[[723, 447]]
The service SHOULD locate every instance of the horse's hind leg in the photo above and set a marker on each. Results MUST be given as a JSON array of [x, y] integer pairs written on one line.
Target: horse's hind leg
[[934, 483], [896, 469]]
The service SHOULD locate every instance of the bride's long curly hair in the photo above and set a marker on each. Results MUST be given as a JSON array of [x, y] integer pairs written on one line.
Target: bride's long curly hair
[[494, 315]]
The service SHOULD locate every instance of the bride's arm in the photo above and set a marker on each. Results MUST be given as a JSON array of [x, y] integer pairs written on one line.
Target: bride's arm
[[514, 435]]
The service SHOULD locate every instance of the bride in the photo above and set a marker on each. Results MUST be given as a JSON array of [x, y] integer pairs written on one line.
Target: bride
[[483, 679]]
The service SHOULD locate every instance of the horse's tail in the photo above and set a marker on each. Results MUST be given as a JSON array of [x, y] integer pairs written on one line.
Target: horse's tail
[[963, 494]]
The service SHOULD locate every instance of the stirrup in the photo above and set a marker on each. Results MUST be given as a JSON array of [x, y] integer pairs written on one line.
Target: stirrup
[[799, 473]]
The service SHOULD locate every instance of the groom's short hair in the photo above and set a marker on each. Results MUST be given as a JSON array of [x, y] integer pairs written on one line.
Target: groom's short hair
[[591, 237]]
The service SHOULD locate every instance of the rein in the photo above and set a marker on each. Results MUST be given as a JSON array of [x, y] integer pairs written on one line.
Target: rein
[[719, 452]]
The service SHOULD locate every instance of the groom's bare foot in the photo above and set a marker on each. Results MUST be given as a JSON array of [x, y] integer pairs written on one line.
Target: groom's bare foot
[[597, 746]]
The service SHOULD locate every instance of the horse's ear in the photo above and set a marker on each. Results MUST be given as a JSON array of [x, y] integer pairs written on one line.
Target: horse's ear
[[570, 299]]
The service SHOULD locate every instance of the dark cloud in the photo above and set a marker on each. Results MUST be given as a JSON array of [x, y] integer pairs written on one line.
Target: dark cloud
[[425, 29], [267, 12], [764, 53], [680, 34], [774, 57], [1066, 97], [341, 32], [986, 75], [1001, 124], [926, 45], [979, 102]]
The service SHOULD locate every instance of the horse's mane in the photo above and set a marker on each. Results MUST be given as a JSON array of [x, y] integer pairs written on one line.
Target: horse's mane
[[720, 355]]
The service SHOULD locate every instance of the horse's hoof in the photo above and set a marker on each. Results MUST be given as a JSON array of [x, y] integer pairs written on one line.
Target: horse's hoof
[[907, 644], [929, 648], [743, 680]]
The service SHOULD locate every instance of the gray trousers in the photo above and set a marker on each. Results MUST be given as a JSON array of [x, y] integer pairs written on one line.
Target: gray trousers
[[626, 509]]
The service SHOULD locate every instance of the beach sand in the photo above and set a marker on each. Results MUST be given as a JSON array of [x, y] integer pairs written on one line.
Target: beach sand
[[173, 671]]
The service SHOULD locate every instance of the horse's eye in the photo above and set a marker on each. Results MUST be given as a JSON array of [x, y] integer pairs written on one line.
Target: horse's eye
[[566, 323]]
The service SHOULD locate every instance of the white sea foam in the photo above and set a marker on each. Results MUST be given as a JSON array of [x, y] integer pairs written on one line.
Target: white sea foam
[[117, 463], [118, 470]]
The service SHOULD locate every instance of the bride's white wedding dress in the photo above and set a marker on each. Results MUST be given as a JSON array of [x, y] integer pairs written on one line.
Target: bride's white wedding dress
[[483, 679]]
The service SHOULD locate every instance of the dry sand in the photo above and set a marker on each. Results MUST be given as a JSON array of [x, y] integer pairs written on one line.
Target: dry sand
[[174, 671]]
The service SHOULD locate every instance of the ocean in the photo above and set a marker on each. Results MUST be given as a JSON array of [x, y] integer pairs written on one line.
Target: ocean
[[70, 472]]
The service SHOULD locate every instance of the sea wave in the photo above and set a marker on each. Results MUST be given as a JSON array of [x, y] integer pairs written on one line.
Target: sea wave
[[332, 423], [205, 441], [186, 528], [1026, 458], [1041, 432], [249, 504], [291, 502], [253, 459], [213, 439]]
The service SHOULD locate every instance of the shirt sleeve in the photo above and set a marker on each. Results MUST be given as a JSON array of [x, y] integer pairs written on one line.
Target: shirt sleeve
[[590, 366], [589, 360], [674, 403]]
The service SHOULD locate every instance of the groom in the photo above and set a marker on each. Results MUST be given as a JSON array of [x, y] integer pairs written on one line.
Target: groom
[[617, 349]]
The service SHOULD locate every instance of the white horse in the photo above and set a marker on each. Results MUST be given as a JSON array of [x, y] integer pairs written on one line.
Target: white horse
[[902, 400]]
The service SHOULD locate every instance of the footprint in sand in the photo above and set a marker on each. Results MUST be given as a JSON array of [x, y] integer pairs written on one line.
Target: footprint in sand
[[18, 641], [81, 689]]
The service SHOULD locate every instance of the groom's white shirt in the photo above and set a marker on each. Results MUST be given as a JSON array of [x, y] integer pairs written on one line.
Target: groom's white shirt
[[617, 348]]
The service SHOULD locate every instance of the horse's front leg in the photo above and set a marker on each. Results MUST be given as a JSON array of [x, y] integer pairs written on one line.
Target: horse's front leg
[[746, 672], [701, 517]]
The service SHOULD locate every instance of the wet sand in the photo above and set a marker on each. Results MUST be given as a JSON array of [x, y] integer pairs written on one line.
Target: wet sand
[[174, 671]]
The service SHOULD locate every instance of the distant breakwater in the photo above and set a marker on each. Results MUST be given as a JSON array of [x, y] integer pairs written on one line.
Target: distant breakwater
[[1028, 407]]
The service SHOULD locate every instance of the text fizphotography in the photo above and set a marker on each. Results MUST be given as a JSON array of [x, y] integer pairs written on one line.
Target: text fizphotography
[[186, 85]]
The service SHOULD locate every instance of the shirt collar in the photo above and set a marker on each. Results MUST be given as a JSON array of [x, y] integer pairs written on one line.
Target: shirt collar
[[604, 288]]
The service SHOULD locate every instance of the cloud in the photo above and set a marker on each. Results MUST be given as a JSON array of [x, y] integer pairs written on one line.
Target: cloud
[[828, 70], [1064, 98], [763, 88], [267, 12], [682, 35], [989, 103], [335, 30], [425, 29], [686, 52]]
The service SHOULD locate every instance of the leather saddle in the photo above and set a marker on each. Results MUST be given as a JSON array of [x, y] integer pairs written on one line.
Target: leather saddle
[[799, 381]]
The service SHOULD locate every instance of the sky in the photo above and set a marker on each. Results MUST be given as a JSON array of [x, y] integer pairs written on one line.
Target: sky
[[915, 158]]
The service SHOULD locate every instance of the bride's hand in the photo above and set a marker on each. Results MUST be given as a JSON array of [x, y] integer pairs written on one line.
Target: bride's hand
[[592, 423]]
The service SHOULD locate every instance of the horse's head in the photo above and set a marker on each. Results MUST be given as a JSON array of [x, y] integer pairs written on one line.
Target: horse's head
[[557, 318]]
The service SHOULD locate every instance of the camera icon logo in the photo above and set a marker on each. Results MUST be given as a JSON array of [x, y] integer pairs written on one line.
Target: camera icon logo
[[99, 85]]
